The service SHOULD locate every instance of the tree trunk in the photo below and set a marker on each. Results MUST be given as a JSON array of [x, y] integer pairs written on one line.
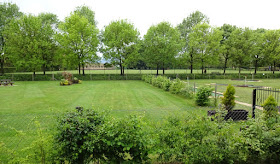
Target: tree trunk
[[274, 64], [121, 66], [83, 70], [2, 66], [123, 70], [34, 73], [79, 68], [239, 71], [157, 69], [163, 69], [225, 66], [44, 69], [256, 66]]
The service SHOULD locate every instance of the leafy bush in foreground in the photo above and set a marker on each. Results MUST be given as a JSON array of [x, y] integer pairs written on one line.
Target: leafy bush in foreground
[[74, 134], [85, 135], [199, 140]]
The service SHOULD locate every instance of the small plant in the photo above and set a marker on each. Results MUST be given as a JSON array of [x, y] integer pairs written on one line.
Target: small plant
[[228, 100], [65, 82], [76, 80], [270, 107], [202, 96], [67, 76]]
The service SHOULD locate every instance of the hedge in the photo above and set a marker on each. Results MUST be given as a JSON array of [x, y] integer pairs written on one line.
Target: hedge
[[48, 77]]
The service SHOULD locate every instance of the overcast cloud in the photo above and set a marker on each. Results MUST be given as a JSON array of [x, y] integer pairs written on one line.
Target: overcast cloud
[[144, 13]]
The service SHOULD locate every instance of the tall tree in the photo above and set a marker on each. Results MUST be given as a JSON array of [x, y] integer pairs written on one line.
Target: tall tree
[[226, 44], [272, 47], [185, 29], [120, 43], [162, 43], [205, 42], [87, 13], [23, 43], [242, 47], [257, 47], [49, 48], [79, 40], [8, 11]]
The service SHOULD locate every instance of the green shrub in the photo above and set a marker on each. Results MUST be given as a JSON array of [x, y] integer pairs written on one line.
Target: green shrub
[[124, 140], [202, 96], [73, 136], [187, 92], [270, 107], [85, 135], [176, 86], [228, 100], [166, 84]]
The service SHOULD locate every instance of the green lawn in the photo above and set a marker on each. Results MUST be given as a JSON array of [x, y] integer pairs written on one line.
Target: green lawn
[[47, 97], [25, 102]]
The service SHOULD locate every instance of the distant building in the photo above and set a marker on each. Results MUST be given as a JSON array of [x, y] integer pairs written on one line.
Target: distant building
[[99, 66]]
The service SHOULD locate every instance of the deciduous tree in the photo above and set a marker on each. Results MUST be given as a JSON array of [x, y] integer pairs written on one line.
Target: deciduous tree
[[24, 40], [162, 43], [205, 42], [120, 43], [242, 47], [48, 46], [185, 28], [8, 11], [79, 40], [226, 44], [271, 47]]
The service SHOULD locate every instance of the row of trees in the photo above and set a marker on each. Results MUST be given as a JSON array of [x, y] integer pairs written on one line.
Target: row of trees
[[34, 43]]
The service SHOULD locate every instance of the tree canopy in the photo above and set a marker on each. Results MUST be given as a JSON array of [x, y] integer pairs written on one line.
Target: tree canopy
[[120, 43], [78, 38], [42, 42], [162, 43]]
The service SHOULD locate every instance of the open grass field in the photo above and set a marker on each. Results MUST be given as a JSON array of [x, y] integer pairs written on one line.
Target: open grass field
[[26, 102], [168, 71]]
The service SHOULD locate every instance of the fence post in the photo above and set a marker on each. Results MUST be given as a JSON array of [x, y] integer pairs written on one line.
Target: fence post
[[254, 103], [194, 87]]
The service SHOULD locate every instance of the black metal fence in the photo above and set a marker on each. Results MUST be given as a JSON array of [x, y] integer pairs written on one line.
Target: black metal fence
[[261, 94]]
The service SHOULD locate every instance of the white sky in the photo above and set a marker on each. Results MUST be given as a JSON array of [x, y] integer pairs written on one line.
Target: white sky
[[144, 13]]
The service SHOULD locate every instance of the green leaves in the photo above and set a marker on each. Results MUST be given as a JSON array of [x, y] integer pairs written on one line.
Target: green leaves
[[78, 40], [120, 40], [85, 135], [162, 43], [228, 100], [202, 96]]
